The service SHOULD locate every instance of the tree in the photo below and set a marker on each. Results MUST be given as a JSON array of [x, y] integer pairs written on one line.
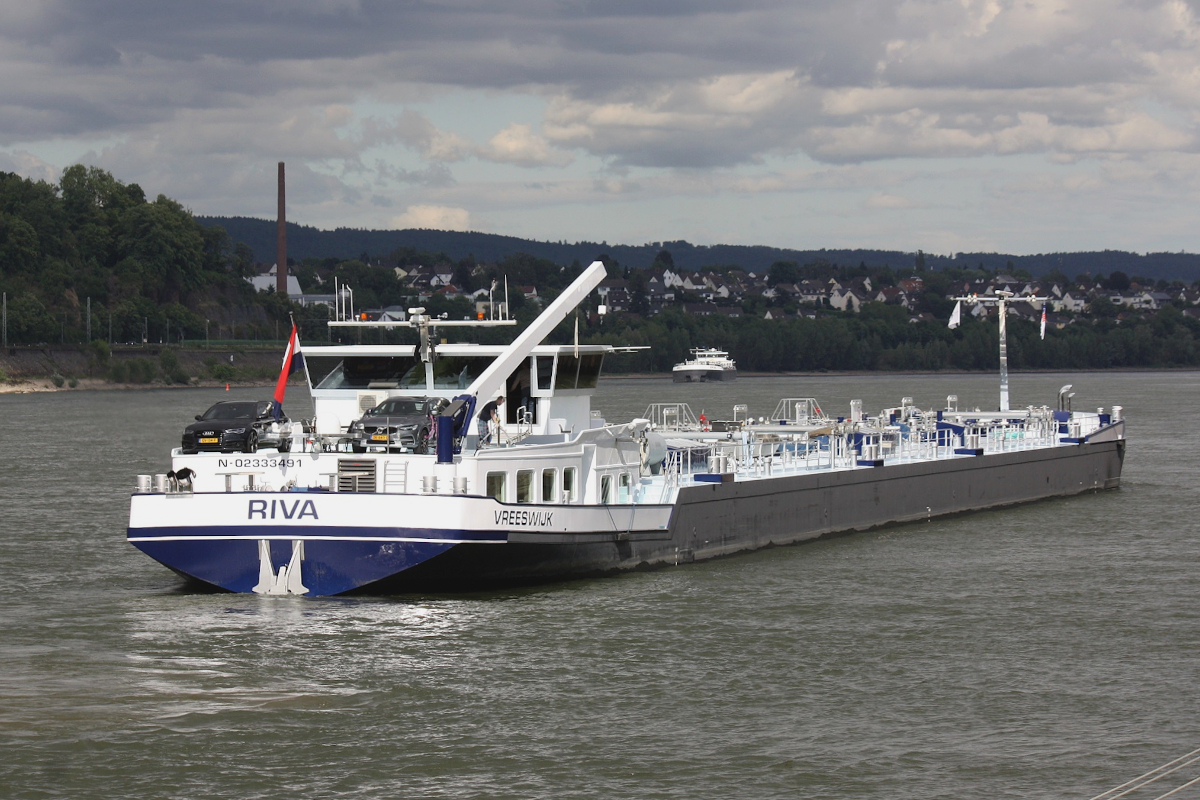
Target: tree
[[1118, 281], [20, 250], [242, 263], [783, 272], [1102, 308], [28, 320], [639, 302]]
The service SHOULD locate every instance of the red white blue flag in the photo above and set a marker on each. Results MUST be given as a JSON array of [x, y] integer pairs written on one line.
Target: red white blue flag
[[293, 361]]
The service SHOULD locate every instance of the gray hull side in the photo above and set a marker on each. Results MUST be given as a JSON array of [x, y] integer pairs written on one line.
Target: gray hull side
[[725, 518], [704, 375], [718, 519]]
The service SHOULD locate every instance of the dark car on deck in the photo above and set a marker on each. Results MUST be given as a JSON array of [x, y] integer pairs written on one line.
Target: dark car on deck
[[404, 423], [237, 426]]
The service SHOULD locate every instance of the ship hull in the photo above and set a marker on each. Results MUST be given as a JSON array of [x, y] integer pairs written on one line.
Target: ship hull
[[702, 375], [722, 519], [477, 546]]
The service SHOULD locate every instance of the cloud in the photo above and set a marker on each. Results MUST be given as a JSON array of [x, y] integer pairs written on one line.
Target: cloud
[[417, 132], [436, 217], [666, 85], [28, 165], [882, 200], [517, 144], [615, 103]]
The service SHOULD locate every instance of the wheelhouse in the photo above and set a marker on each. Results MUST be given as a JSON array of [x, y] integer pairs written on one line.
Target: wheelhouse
[[547, 393]]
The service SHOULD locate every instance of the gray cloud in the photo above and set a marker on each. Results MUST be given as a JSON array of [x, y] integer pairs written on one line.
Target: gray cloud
[[199, 100]]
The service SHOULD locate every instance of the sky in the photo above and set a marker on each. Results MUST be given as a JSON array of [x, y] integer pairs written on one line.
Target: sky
[[941, 125]]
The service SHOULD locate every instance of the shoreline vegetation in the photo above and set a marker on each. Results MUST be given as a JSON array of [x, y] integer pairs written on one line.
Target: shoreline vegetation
[[31, 385], [93, 264]]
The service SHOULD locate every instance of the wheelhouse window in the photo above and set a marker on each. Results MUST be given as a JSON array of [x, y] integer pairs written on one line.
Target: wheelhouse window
[[578, 373], [623, 488], [361, 372], [525, 485], [589, 370], [495, 485], [458, 372], [606, 486], [544, 370], [569, 485], [549, 482]]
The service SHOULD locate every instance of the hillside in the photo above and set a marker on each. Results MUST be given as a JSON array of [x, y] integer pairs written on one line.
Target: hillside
[[92, 267], [308, 242]]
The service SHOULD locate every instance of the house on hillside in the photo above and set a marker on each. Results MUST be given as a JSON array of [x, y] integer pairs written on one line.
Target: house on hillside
[[610, 285], [266, 281], [1075, 302], [812, 292], [846, 299]]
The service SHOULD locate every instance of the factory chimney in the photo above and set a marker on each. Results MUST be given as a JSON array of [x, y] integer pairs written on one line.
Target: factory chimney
[[281, 270]]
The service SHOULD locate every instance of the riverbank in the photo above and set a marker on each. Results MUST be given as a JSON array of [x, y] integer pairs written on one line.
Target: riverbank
[[75, 367], [100, 384], [47, 384]]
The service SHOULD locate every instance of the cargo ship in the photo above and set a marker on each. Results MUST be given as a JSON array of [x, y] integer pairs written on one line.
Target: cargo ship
[[550, 490], [706, 365]]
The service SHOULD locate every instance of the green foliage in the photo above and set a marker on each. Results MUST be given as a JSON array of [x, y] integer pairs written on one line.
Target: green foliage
[[91, 236], [28, 320], [783, 272], [134, 370], [219, 370], [157, 275], [168, 362], [100, 352], [57, 380]]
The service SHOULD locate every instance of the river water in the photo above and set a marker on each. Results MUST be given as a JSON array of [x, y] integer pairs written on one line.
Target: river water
[[1046, 651]]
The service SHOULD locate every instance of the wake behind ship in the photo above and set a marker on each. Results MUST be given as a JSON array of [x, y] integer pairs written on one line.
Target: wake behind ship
[[557, 491]]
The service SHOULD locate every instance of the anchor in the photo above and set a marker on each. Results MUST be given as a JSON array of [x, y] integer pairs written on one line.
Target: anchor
[[288, 580]]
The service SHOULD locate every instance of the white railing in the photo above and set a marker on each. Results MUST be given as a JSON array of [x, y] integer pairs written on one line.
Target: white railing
[[671, 417]]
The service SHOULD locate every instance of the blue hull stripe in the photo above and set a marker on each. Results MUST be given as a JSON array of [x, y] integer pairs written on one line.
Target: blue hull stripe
[[329, 566], [338, 533]]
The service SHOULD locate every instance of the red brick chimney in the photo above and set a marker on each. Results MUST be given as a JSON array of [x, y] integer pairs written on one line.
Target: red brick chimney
[[281, 271]]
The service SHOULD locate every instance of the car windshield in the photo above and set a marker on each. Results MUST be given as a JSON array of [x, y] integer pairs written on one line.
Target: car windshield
[[232, 411], [400, 406]]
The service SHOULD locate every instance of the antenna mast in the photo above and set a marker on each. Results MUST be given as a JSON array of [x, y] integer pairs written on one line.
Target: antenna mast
[[1001, 299]]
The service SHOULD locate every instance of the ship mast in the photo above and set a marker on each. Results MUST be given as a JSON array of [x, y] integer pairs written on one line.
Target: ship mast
[[1001, 299]]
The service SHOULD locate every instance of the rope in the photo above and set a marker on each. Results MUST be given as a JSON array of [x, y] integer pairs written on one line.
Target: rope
[[1178, 788], [1146, 780]]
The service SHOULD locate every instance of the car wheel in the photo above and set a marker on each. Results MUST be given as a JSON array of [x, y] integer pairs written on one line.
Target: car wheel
[[423, 439], [358, 448], [285, 445], [251, 443]]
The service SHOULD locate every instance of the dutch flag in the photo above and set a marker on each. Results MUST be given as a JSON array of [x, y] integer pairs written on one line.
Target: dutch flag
[[293, 361]]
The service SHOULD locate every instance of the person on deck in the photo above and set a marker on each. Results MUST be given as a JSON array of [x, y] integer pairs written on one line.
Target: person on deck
[[488, 415]]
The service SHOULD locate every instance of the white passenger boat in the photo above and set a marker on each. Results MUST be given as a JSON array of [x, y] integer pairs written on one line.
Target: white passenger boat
[[706, 364], [562, 492]]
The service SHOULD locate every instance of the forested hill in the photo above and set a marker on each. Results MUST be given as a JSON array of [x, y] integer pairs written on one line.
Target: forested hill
[[343, 243]]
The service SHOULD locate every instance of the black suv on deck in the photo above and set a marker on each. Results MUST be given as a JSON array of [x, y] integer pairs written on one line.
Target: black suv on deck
[[233, 426], [397, 423]]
